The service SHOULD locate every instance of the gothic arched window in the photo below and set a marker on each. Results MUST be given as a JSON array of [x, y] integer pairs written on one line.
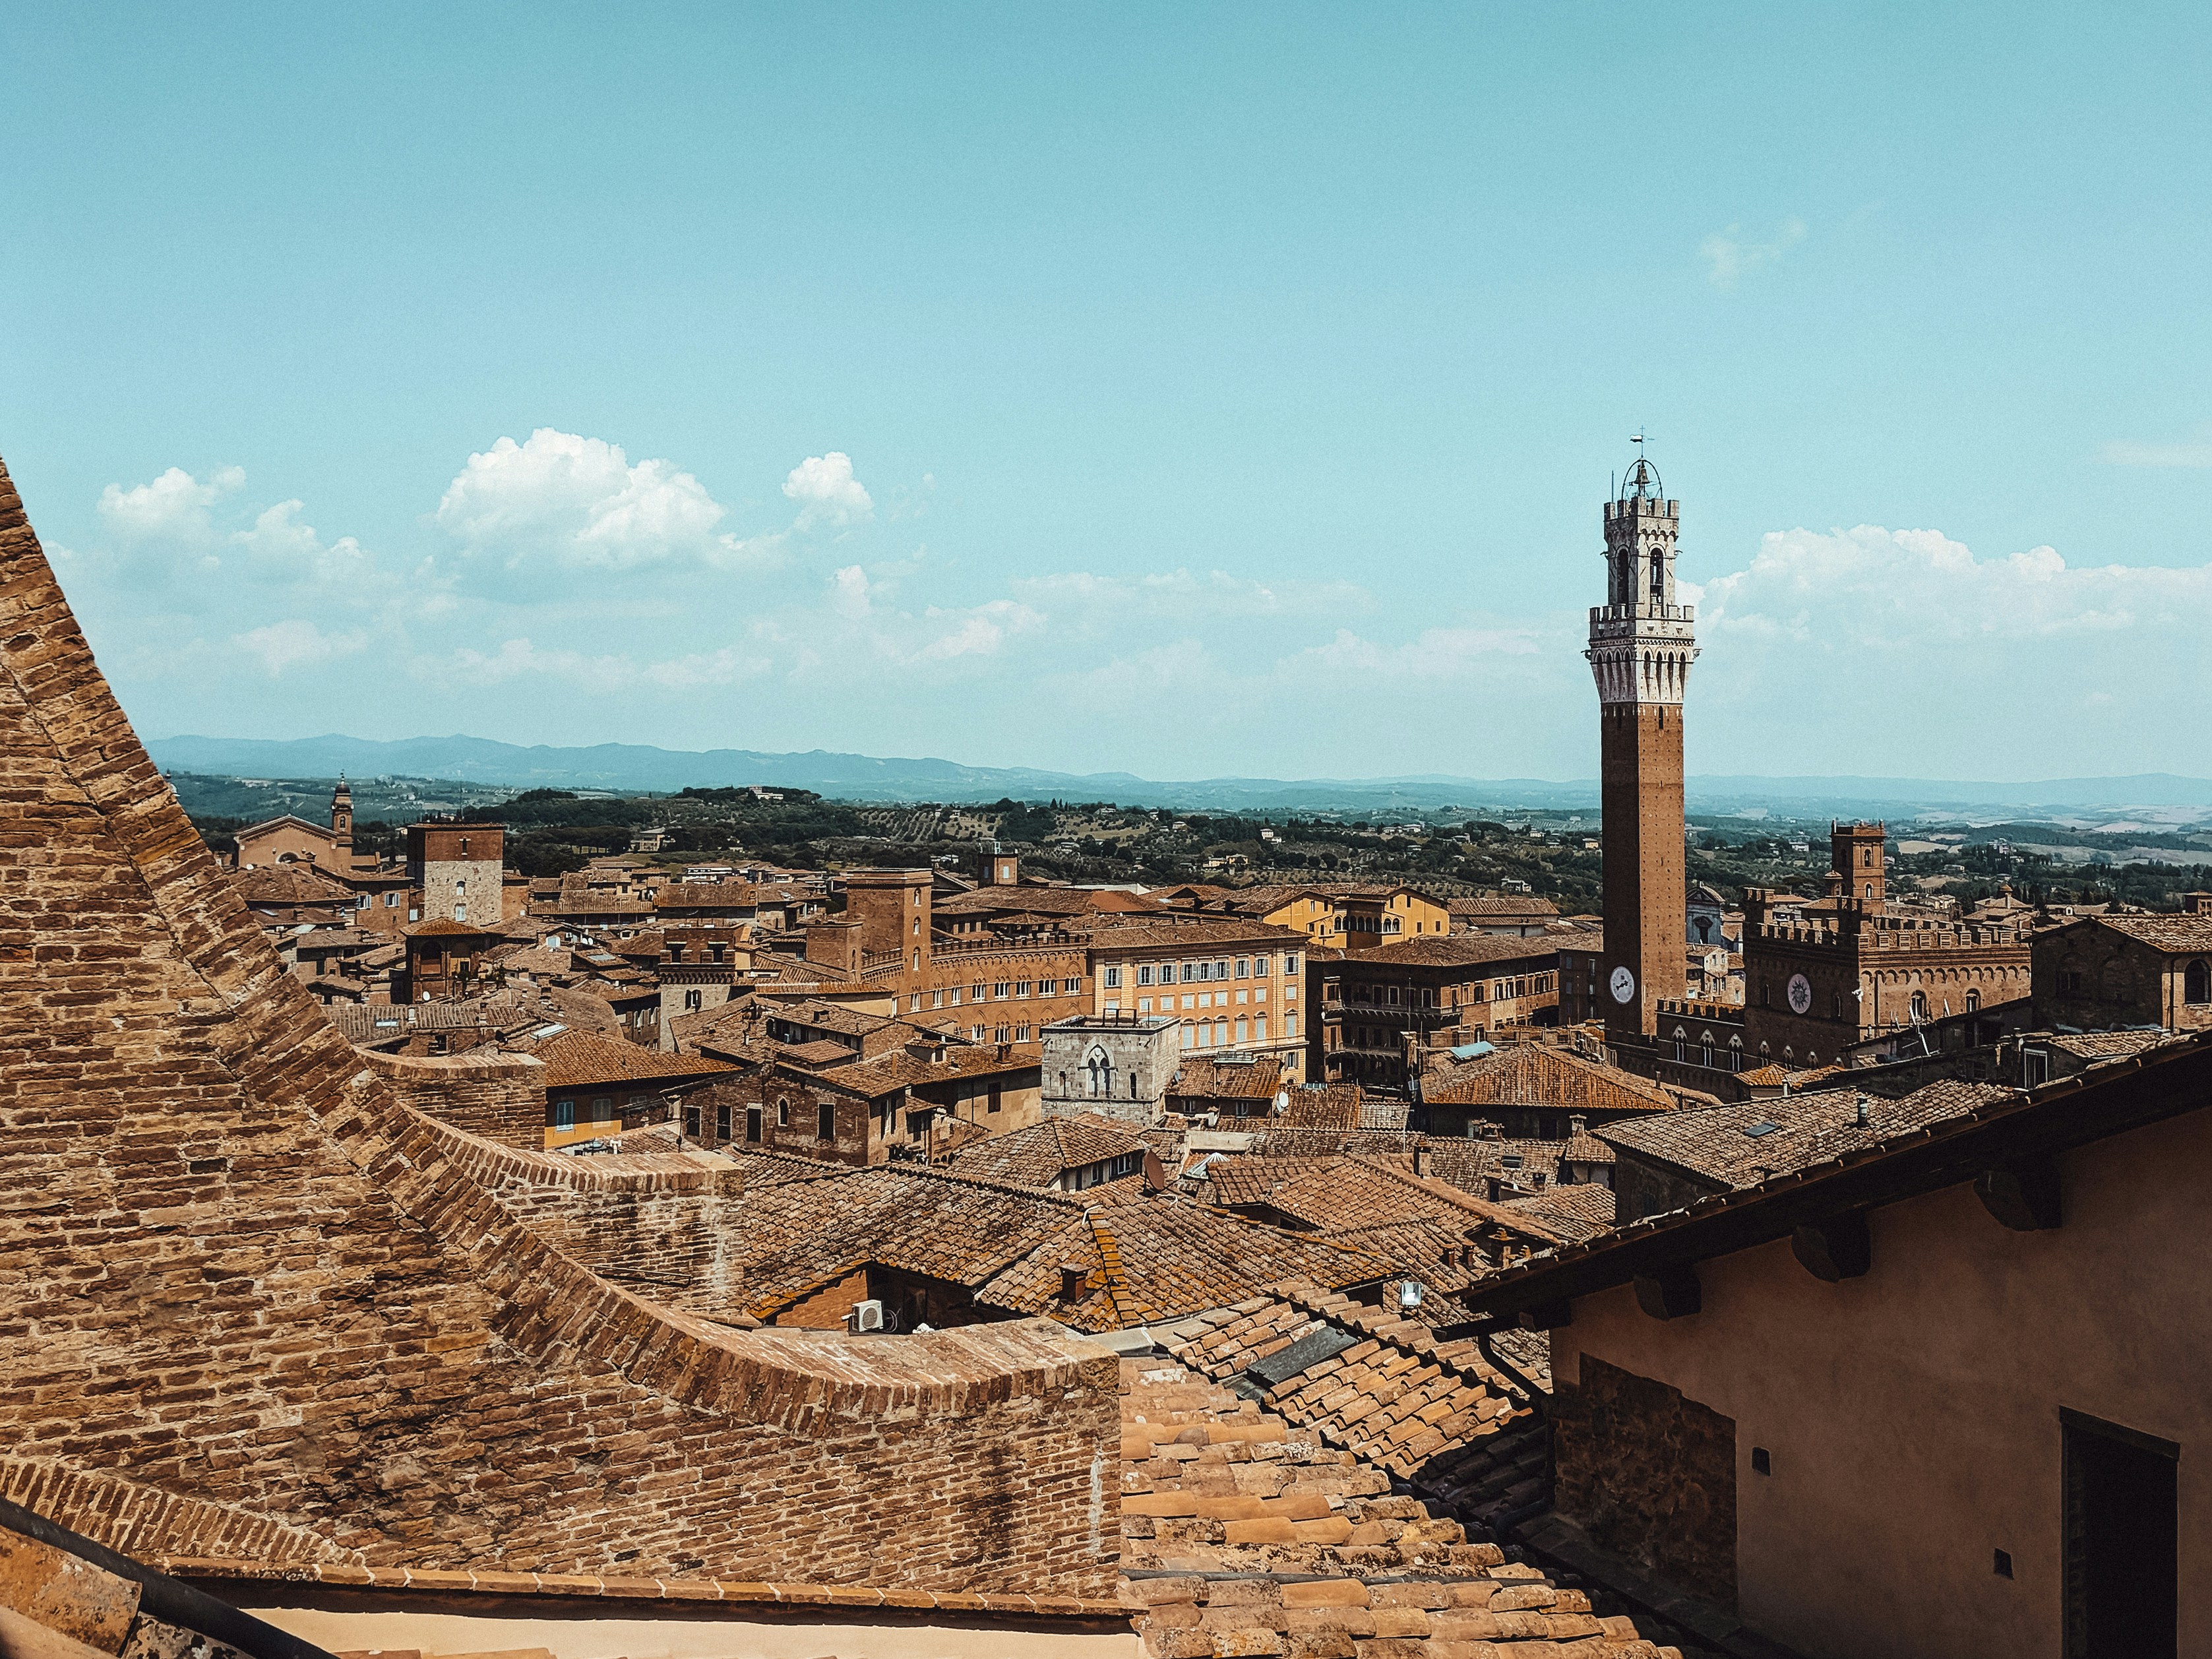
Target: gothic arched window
[[2197, 982], [1919, 1005]]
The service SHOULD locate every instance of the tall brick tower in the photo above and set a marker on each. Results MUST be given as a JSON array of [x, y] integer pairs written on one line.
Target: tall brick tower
[[1642, 644]]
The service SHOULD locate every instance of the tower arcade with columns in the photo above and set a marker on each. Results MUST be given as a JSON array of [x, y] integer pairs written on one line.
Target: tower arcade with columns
[[1642, 643]]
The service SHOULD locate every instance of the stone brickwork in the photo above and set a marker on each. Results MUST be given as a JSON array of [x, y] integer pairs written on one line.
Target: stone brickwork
[[663, 1224], [1650, 1474], [498, 1096], [236, 1270]]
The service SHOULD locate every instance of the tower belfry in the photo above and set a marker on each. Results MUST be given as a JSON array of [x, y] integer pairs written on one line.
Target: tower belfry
[[1642, 643]]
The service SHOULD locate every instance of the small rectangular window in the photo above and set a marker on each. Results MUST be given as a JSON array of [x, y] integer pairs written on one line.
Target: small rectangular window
[[1112, 979], [722, 1123], [1071, 987], [564, 1115], [825, 1121], [753, 1124], [1144, 975], [1243, 968]]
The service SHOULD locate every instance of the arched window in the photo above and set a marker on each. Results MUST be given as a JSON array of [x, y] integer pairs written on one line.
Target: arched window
[[1098, 1074], [1706, 1050], [1973, 1002], [1681, 1042], [1735, 1053], [1869, 891], [1919, 1005], [2196, 981]]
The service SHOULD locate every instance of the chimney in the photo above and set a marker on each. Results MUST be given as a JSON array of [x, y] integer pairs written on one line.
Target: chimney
[[1417, 1157], [1072, 1279], [1577, 1123], [1859, 1117]]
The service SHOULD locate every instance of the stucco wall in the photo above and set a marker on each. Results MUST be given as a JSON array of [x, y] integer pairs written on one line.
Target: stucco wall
[[1912, 1414]]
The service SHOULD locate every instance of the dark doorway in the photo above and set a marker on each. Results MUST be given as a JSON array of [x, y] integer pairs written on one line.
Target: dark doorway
[[2123, 1541]]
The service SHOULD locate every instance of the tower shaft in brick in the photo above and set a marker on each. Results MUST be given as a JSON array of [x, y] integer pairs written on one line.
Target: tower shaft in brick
[[1642, 644]]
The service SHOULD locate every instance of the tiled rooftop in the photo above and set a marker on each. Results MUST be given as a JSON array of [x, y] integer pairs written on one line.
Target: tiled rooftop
[[1039, 1155], [1741, 1143], [1541, 1075]]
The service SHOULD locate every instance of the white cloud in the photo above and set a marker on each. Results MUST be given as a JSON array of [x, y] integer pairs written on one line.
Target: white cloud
[[828, 493], [1729, 256], [1900, 652], [280, 547], [577, 503], [289, 644], [2191, 452], [173, 508]]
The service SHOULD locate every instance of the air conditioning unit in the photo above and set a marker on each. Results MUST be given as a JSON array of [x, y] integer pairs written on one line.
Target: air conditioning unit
[[865, 1317]]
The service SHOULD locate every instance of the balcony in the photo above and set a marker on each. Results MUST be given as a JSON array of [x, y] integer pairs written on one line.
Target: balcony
[[1622, 615]]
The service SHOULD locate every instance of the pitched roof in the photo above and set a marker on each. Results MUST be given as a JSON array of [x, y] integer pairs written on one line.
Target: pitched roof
[[1054, 901], [446, 926], [1039, 1155], [1460, 951], [1501, 905], [291, 883], [1109, 933], [2106, 1045], [1539, 1074], [1206, 1076], [2163, 932], [575, 1061], [1576, 1212], [1164, 1259], [793, 1238], [1739, 1143]]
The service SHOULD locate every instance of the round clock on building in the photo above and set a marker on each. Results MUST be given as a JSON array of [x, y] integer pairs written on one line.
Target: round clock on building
[[1801, 994], [1623, 984]]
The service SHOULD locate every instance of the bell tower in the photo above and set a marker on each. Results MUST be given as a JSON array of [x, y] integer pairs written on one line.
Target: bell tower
[[342, 824], [1642, 643]]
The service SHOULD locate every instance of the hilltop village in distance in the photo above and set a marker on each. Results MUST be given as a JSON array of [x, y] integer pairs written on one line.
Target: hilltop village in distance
[[468, 1221]]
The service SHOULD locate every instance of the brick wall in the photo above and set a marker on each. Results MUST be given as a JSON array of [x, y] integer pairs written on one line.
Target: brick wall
[[1650, 1473], [236, 1270], [500, 1096], [658, 1224]]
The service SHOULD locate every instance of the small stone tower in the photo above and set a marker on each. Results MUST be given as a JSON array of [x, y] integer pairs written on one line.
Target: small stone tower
[[1641, 646], [1855, 855], [342, 826]]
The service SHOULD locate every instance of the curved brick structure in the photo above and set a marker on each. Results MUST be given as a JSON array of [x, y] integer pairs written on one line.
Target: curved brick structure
[[235, 1270]]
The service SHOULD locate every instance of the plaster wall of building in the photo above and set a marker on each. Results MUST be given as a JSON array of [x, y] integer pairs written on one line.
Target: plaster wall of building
[[1911, 1416]]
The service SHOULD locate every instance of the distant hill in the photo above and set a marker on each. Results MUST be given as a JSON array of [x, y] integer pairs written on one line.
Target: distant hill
[[640, 766]]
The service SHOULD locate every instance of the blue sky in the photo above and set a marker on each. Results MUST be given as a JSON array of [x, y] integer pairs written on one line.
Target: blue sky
[[1186, 390]]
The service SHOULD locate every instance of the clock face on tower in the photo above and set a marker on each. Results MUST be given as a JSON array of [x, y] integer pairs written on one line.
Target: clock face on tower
[[1623, 984], [1801, 994]]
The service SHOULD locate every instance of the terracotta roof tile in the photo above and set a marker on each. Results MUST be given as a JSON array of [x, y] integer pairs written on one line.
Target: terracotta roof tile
[[2164, 933], [1039, 1155], [1741, 1143], [574, 1061], [1539, 1074]]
